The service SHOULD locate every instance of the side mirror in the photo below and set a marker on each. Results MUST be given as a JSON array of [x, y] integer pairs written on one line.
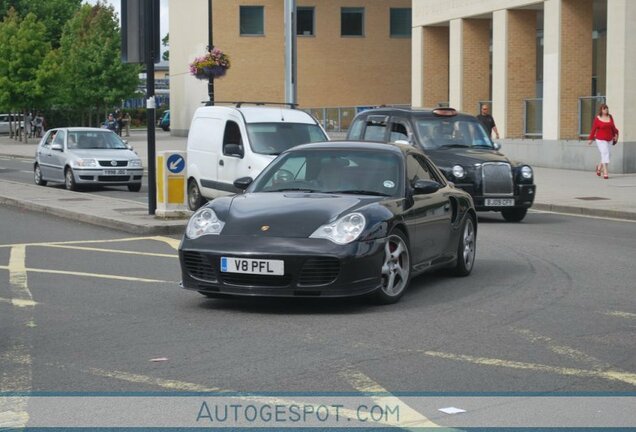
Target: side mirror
[[233, 150], [497, 146], [401, 142], [57, 147], [243, 182], [425, 187]]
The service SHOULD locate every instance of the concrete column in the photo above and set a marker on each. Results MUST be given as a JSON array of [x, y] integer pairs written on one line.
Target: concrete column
[[500, 70], [435, 67], [551, 69], [456, 65], [621, 80], [417, 66], [476, 63], [521, 67]]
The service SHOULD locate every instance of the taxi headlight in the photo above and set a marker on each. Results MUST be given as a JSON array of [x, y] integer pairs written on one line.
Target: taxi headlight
[[204, 222], [459, 172], [526, 172], [344, 230], [85, 163]]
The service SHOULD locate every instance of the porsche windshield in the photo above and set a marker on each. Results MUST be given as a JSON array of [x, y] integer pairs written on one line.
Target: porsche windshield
[[442, 132], [356, 172], [275, 138]]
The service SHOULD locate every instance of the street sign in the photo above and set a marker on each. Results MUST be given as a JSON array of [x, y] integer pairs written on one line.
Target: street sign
[[175, 163]]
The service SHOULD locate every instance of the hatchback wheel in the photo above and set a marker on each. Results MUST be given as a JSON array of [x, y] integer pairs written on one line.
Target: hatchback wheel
[[69, 180], [466, 248], [195, 200], [37, 176], [396, 269], [514, 214]]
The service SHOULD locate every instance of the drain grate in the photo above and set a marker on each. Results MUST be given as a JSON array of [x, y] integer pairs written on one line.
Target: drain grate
[[592, 198]]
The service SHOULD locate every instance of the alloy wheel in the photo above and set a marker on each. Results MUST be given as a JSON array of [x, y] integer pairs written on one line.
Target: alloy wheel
[[396, 267]]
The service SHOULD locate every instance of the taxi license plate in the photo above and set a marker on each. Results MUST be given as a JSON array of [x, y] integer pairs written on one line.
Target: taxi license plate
[[115, 172], [253, 266], [499, 202]]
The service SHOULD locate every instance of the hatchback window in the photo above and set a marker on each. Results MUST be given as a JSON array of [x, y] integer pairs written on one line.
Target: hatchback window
[[436, 133], [275, 138]]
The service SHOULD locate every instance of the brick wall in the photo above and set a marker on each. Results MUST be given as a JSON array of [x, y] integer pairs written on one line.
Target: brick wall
[[435, 70], [476, 68]]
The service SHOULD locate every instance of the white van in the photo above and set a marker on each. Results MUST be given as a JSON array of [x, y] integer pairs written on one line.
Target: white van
[[226, 143]]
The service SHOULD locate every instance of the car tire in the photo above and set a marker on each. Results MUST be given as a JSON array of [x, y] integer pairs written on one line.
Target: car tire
[[395, 270], [195, 199], [134, 187], [37, 176], [466, 248], [514, 214], [69, 180]]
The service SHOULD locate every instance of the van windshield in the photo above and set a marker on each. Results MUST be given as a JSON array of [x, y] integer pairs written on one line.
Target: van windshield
[[275, 138]]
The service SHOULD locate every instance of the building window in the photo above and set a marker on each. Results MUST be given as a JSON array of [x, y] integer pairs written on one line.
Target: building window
[[305, 21], [400, 22], [252, 21], [352, 21]]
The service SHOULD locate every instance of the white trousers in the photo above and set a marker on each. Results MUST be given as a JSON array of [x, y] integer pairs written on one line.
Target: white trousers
[[604, 148]]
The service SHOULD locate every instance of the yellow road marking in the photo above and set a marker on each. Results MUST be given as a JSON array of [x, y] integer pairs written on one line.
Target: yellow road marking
[[408, 416], [124, 252], [172, 242], [95, 275], [612, 375], [619, 314], [69, 242]]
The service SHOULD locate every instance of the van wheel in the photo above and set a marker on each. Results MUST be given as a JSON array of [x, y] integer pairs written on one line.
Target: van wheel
[[69, 180], [37, 176], [195, 200]]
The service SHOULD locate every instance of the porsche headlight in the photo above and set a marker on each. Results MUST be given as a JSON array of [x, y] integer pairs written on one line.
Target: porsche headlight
[[204, 222], [135, 163], [344, 230], [526, 172], [459, 172], [85, 163]]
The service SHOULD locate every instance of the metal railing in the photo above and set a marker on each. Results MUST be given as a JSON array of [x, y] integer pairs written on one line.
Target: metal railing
[[338, 119], [533, 118], [588, 109]]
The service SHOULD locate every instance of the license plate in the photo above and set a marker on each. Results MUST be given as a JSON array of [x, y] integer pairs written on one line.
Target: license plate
[[500, 202], [115, 172], [253, 266]]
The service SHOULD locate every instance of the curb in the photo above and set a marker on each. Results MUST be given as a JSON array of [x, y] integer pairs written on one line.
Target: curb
[[585, 211], [175, 227]]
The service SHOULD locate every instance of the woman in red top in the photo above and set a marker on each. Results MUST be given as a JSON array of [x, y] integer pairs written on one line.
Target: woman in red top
[[605, 133]]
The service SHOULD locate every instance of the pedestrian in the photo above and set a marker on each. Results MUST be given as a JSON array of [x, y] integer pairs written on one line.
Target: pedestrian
[[126, 121], [487, 121], [605, 133], [39, 125], [120, 122], [28, 125], [111, 123]]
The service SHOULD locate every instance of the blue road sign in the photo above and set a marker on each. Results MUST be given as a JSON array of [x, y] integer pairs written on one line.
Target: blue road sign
[[175, 163]]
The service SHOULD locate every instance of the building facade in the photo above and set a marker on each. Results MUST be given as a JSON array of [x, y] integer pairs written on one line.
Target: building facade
[[544, 66], [348, 53]]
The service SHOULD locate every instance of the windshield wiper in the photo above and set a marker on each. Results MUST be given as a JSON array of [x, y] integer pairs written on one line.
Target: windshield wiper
[[291, 190], [455, 145], [484, 146], [358, 192]]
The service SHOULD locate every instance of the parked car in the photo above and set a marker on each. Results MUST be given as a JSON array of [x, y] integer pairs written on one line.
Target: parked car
[[164, 122], [5, 127], [86, 156], [331, 220], [459, 146], [228, 142]]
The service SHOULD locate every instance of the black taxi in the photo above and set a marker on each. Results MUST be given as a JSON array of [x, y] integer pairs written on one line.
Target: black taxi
[[461, 149]]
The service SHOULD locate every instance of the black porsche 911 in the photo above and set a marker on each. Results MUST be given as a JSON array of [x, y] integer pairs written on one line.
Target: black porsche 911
[[331, 219]]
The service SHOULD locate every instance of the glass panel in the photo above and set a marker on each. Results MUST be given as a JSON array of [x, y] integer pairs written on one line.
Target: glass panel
[[333, 121], [352, 22], [401, 22], [252, 20], [346, 117], [588, 109], [305, 21], [534, 118]]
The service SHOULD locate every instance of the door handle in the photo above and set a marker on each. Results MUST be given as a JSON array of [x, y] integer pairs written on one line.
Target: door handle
[[446, 207], [221, 162]]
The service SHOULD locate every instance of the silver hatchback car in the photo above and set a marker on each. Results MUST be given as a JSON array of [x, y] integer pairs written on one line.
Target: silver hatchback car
[[86, 156]]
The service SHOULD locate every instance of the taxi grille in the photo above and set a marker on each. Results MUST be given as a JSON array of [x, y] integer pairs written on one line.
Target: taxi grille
[[199, 266], [255, 280], [319, 271], [497, 179], [109, 164]]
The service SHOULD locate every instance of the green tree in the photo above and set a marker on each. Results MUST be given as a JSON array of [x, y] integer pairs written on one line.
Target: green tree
[[166, 42], [92, 76]]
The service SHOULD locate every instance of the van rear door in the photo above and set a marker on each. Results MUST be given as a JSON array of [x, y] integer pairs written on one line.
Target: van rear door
[[204, 138]]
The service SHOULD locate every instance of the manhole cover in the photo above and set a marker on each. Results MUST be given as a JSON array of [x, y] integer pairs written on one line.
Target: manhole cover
[[592, 198], [73, 199]]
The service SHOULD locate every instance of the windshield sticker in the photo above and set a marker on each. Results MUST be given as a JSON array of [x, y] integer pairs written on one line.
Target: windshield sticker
[[389, 184]]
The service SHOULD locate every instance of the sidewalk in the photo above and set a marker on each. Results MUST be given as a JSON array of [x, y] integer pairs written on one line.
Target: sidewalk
[[565, 191]]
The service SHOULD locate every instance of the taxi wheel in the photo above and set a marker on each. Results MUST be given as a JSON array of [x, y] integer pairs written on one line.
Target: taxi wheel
[[37, 176], [396, 269], [195, 200], [69, 180], [466, 248], [134, 187], [514, 215]]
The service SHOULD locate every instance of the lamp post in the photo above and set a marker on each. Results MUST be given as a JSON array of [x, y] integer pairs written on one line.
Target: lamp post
[[210, 48]]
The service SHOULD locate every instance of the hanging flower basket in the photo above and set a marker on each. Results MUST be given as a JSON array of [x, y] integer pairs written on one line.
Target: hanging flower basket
[[213, 64]]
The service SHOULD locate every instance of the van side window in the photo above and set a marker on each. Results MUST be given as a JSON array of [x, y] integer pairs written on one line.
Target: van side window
[[232, 135]]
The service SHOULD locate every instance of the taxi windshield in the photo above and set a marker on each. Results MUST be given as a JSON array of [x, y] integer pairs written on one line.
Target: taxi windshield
[[436, 133]]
